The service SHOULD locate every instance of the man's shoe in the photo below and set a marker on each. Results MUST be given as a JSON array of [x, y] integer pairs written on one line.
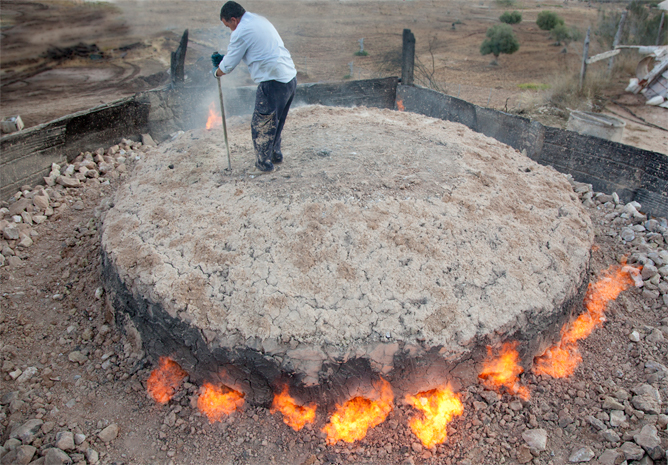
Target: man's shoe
[[262, 168], [277, 157]]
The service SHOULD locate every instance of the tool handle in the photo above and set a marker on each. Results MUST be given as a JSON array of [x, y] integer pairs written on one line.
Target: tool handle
[[222, 113]]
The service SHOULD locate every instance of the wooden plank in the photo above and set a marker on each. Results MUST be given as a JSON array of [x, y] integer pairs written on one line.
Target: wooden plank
[[603, 56]]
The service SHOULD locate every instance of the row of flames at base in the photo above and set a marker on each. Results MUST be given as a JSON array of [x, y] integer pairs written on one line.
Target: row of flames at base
[[436, 408]]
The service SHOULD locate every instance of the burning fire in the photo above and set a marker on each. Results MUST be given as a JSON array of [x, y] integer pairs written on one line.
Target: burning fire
[[294, 415], [438, 407], [351, 420], [561, 360], [216, 402], [165, 380], [504, 371], [215, 119]]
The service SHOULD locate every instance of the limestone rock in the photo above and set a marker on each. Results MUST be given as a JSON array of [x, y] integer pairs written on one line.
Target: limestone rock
[[64, 440], [67, 181], [649, 439], [77, 357], [647, 399], [109, 433], [536, 438], [580, 455], [611, 457], [27, 432], [632, 451], [55, 456], [24, 454]]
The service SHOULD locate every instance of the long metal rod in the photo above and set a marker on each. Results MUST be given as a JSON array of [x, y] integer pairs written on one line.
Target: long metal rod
[[222, 113]]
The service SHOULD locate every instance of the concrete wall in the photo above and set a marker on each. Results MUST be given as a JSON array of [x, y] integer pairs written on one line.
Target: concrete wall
[[633, 173], [26, 156]]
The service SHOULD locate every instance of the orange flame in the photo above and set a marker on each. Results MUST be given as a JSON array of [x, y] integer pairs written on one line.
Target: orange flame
[[504, 371], [438, 407], [561, 360], [400, 105], [218, 401], [214, 119], [165, 380], [295, 416], [351, 420]]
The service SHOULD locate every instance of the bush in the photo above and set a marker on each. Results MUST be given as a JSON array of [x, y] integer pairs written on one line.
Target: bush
[[500, 39], [562, 33], [547, 20], [508, 17], [506, 3], [641, 27]]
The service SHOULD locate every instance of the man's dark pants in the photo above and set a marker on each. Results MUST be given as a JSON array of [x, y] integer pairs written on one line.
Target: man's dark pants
[[272, 103]]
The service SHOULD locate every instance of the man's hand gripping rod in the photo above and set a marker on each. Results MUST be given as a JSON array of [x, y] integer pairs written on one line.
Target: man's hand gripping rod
[[222, 113]]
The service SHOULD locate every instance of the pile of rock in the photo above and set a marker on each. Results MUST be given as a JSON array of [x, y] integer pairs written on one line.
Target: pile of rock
[[37, 442], [646, 237], [31, 206]]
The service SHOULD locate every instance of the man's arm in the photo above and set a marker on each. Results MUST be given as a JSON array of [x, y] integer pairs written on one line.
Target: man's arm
[[235, 52]]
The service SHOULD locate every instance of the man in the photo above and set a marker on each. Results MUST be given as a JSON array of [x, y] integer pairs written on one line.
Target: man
[[255, 41]]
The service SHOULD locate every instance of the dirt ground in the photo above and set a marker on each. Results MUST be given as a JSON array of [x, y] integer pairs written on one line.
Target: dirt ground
[[91, 374], [51, 305], [135, 40]]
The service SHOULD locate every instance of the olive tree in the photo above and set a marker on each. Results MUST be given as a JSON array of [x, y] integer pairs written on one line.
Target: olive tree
[[547, 20], [500, 39]]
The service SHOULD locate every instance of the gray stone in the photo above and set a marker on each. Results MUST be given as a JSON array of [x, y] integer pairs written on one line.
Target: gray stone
[[662, 421], [24, 454], [109, 433], [535, 438], [648, 271], [583, 454], [648, 439], [656, 336], [27, 375], [632, 451], [10, 232], [67, 181], [627, 234], [79, 438], [611, 457], [19, 206], [610, 435], [11, 444], [8, 397], [77, 357], [92, 456], [596, 423], [634, 336], [55, 456], [64, 440], [617, 418], [27, 432], [647, 399], [611, 404], [147, 140]]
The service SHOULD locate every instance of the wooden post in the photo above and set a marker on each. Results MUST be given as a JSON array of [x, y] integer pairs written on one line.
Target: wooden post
[[178, 60], [658, 36], [585, 53], [618, 38], [408, 58]]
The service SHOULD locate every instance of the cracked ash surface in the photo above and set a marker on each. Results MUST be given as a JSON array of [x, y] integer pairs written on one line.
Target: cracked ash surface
[[381, 230]]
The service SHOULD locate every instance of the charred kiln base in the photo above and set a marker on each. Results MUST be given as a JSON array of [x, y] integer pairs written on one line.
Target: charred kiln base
[[387, 243]]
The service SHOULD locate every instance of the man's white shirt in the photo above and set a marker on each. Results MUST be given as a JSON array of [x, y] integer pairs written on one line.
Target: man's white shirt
[[257, 43]]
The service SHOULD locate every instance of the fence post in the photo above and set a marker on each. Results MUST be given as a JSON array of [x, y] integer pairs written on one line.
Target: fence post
[[618, 38], [585, 55], [658, 36], [408, 58], [177, 65]]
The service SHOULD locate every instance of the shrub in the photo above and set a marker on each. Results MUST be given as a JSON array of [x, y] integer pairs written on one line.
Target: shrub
[[547, 20], [562, 33], [508, 17], [506, 3], [641, 27], [500, 39]]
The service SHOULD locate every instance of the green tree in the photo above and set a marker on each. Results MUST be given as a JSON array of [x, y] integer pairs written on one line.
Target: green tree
[[547, 20], [562, 33], [500, 39], [508, 17]]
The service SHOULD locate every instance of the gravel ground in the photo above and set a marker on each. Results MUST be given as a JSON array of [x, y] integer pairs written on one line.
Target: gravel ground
[[73, 382]]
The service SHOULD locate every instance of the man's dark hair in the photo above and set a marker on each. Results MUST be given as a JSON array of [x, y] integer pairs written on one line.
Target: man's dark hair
[[231, 10]]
